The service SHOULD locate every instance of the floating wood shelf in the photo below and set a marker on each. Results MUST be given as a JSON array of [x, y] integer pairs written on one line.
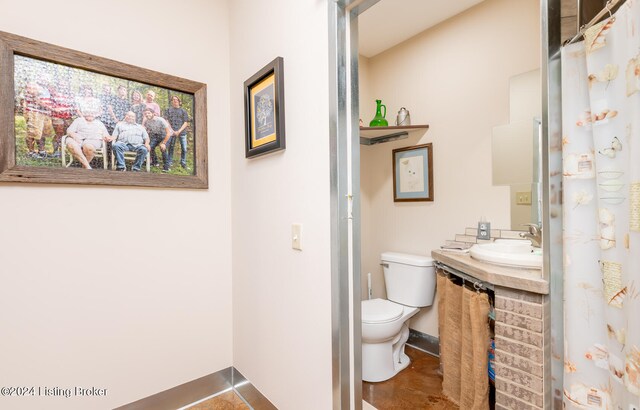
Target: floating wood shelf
[[378, 135]]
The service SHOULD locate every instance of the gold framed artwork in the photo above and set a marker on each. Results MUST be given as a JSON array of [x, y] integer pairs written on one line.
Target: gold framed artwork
[[264, 110], [75, 118]]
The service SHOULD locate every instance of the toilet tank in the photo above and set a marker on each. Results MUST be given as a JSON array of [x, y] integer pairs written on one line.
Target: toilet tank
[[409, 279]]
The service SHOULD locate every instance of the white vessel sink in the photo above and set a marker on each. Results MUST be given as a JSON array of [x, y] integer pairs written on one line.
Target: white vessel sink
[[509, 252]]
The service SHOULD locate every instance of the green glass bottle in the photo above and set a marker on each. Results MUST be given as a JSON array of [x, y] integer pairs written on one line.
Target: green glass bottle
[[379, 120]]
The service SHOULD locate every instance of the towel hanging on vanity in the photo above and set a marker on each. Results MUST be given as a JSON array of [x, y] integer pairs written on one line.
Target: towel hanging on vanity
[[464, 338]]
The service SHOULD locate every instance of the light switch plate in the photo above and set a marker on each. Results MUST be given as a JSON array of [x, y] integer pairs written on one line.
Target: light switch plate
[[523, 198], [296, 239]]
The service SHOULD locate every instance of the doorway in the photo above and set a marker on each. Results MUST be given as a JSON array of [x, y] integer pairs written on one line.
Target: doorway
[[346, 182]]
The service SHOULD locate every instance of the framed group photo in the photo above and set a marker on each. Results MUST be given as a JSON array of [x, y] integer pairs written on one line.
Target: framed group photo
[[264, 110], [74, 118], [413, 173]]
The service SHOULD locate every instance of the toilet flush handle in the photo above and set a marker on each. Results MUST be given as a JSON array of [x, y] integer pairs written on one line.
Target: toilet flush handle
[[384, 265]]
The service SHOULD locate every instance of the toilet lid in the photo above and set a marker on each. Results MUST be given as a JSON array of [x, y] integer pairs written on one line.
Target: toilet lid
[[380, 311]]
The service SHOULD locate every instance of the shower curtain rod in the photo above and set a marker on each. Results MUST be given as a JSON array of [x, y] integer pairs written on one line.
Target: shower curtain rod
[[607, 9]]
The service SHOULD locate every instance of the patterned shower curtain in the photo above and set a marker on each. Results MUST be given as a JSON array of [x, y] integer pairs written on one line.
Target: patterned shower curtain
[[601, 202]]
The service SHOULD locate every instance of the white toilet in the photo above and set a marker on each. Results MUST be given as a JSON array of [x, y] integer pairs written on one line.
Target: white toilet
[[411, 283]]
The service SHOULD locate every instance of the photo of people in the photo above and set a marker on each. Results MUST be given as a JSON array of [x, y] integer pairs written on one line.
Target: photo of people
[[65, 117]]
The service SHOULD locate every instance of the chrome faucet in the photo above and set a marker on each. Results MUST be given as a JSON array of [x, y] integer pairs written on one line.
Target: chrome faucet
[[534, 234]]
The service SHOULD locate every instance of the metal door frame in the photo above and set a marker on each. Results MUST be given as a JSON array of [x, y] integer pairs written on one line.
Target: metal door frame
[[345, 199]]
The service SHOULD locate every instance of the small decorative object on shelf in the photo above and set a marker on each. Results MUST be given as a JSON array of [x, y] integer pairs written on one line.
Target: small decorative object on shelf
[[379, 120], [403, 118]]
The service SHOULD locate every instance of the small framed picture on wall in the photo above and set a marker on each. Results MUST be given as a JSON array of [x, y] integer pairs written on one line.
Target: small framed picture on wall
[[264, 110], [413, 173]]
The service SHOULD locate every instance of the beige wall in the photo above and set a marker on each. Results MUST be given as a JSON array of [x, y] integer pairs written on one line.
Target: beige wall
[[142, 301], [282, 297], [454, 77]]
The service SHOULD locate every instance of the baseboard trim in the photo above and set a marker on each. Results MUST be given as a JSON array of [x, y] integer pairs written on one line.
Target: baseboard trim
[[249, 393], [426, 343], [198, 389]]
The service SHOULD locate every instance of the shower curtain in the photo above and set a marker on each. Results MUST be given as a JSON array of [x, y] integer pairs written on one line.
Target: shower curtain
[[601, 203], [464, 343]]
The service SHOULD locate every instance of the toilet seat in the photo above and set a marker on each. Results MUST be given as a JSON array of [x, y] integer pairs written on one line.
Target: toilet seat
[[380, 311]]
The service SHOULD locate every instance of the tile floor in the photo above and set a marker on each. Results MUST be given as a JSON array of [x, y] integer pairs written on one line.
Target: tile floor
[[419, 386]]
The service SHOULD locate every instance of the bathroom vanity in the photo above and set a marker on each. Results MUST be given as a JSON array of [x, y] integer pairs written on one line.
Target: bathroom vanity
[[521, 279], [521, 327]]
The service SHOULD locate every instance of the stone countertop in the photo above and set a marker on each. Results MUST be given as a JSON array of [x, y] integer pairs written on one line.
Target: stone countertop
[[529, 280]]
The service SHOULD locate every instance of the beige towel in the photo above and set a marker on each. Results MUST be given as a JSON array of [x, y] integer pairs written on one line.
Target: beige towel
[[464, 341], [441, 288], [466, 355], [452, 342], [475, 379]]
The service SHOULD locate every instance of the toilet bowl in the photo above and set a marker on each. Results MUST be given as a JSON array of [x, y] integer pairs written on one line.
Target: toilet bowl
[[410, 284], [384, 334]]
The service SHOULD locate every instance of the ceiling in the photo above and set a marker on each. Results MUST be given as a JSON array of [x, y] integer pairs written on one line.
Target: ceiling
[[390, 22]]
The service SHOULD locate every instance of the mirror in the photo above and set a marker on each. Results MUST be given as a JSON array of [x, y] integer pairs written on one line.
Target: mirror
[[516, 152]]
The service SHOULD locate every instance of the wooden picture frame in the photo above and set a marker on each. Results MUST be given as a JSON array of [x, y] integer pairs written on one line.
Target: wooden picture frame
[[264, 110], [413, 173], [27, 68]]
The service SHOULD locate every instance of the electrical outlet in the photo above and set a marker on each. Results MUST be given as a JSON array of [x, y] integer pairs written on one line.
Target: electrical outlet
[[484, 230], [523, 198]]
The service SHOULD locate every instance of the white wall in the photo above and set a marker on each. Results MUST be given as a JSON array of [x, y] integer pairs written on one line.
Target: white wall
[[75, 308], [282, 297], [454, 77]]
